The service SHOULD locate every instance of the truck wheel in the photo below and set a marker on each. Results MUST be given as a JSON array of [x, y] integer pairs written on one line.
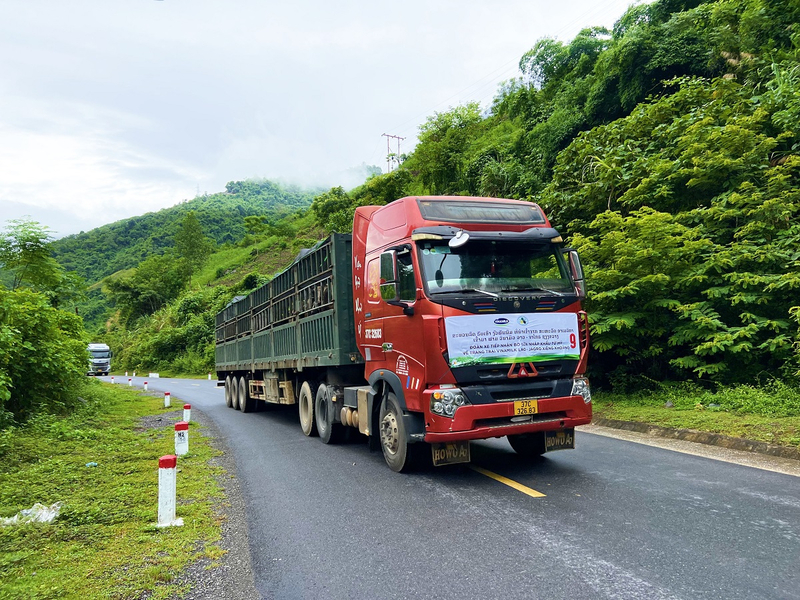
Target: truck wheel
[[228, 395], [400, 456], [305, 405], [329, 432], [529, 445], [234, 393], [245, 402]]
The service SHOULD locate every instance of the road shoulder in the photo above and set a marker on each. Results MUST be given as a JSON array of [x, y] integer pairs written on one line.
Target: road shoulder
[[661, 437]]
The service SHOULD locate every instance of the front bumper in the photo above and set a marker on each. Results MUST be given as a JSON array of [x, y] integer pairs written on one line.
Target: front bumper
[[482, 421]]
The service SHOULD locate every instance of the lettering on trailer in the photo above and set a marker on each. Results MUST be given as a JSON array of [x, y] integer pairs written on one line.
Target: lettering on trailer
[[487, 339]]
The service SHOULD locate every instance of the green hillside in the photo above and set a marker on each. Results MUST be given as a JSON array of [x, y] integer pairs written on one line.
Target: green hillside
[[123, 245], [666, 150]]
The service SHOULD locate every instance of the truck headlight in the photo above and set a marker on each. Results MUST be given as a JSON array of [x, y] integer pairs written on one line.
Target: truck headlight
[[580, 387], [445, 402]]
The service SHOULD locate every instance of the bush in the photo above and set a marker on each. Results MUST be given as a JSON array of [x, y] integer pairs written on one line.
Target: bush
[[43, 357]]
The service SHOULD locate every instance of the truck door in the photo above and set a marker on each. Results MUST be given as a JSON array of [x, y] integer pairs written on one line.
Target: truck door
[[403, 339]]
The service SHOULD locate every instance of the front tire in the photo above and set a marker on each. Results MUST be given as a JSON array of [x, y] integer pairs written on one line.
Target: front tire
[[305, 405], [401, 456], [528, 445]]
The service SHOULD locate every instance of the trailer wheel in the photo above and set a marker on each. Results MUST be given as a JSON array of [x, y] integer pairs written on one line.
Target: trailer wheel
[[234, 393], [228, 395], [399, 454], [245, 402], [329, 431], [528, 445], [305, 407]]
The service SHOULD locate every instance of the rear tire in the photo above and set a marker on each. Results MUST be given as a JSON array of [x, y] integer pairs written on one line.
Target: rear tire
[[528, 445], [329, 431], [228, 395], [305, 405], [234, 393], [245, 402]]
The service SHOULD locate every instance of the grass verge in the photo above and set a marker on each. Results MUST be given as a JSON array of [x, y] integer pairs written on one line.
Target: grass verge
[[769, 413], [104, 544]]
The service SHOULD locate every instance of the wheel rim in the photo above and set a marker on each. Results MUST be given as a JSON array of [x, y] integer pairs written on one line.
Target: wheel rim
[[389, 433]]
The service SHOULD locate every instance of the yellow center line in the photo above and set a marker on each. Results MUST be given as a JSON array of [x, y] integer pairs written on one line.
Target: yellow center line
[[509, 482]]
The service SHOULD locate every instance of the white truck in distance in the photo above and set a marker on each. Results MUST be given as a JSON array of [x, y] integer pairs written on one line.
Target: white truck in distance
[[100, 361]]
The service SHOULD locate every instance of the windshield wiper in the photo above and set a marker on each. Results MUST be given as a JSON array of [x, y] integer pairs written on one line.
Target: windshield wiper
[[468, 291], [532, 289]]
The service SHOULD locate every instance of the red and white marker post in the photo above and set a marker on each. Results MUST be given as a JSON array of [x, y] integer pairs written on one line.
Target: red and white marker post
[[145, 386], [166, 400], [112, 379], [187, 412], [130, 381], [181, 438], [167, 491]]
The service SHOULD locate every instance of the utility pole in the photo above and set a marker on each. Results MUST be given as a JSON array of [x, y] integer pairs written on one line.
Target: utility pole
[[389, 150]]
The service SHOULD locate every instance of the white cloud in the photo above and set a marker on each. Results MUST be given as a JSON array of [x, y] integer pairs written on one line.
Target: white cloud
[[112, 109]]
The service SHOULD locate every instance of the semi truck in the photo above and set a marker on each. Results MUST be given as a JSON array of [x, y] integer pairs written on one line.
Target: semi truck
[[439, 320], [99, 359]]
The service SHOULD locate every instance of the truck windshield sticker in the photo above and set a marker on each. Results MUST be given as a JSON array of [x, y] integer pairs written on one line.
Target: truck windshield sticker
[[488, 339]]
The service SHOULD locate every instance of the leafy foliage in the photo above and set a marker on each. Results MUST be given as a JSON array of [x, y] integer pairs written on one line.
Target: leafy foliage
[[43, 357]]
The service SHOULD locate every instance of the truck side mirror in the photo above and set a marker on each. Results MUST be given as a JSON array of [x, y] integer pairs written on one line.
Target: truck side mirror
[[576, 269]]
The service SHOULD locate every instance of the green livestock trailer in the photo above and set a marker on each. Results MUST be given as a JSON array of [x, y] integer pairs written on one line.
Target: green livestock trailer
[[300, 321]]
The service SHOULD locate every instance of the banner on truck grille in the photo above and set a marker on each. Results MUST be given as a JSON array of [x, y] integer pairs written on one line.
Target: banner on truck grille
[[502, 339]]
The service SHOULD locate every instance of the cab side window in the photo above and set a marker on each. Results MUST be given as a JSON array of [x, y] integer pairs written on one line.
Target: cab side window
[[406, 286]]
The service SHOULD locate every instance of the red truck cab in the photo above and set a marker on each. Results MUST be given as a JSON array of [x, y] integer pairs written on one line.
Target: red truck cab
[[468, 317]]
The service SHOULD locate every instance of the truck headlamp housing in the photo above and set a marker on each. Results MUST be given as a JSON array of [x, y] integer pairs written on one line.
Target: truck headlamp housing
[[580, 387], [445, 402]]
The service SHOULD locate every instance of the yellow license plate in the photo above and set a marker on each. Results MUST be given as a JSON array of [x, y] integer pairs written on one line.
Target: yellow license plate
[[526, 407]]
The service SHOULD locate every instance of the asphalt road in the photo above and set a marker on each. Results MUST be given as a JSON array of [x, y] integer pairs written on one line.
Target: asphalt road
[[617, 519]]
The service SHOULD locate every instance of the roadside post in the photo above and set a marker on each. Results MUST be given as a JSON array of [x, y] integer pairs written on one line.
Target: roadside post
[[181, 438], [166, 400], [145, 386], [187, 412], [167, 491]]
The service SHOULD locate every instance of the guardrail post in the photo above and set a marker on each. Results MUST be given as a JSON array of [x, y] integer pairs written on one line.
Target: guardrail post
[[167, 491], [181, 438]]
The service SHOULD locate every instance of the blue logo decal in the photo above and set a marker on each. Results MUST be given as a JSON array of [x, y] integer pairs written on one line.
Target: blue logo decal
[[501, 321]]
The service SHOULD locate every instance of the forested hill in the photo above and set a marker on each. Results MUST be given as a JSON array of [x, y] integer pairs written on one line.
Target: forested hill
[[124, 244], [666, 150]]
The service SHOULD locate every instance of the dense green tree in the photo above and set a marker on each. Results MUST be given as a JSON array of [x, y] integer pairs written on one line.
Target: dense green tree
[[142, 291], [43, 358], [190, 243]]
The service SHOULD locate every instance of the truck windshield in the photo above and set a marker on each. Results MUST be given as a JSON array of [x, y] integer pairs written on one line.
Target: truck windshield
[[100, 353], [494, 267]]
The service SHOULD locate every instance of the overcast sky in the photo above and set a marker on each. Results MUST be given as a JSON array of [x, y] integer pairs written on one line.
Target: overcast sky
[[110, 109]]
